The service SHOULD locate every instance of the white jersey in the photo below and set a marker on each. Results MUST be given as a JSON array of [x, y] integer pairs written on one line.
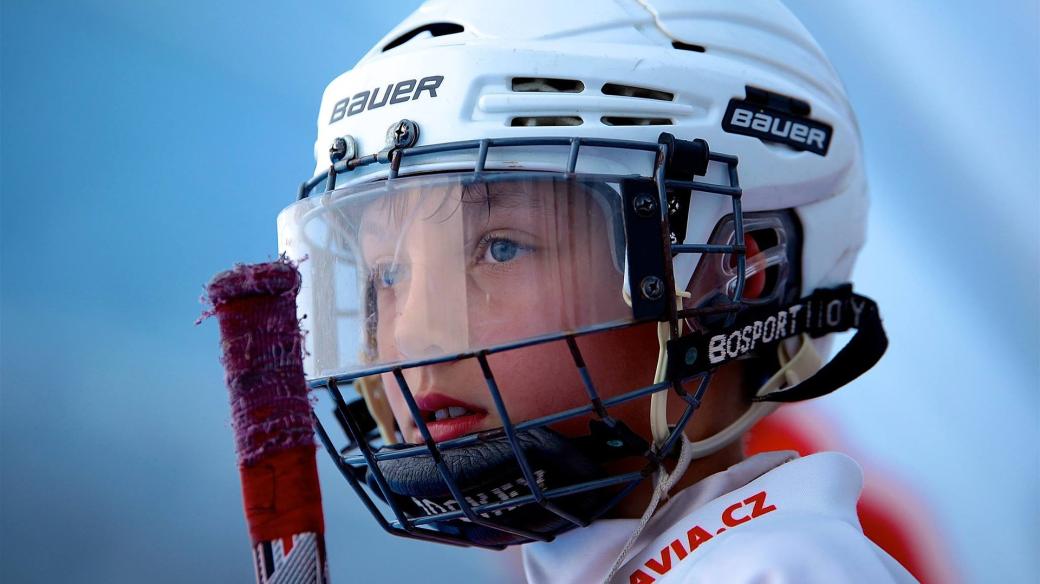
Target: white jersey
[[771, 518]]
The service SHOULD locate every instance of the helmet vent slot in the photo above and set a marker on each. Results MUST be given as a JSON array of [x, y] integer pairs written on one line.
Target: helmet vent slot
[[640, 92], [687, 47], [546, 121], [547, 85], [630, 121], [436, 29]]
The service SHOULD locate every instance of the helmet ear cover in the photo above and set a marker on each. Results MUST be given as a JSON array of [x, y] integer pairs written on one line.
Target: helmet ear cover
[[772, 248], [755, 283]]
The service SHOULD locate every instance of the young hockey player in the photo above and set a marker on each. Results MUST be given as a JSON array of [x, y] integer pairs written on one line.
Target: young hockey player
[[568, 254]]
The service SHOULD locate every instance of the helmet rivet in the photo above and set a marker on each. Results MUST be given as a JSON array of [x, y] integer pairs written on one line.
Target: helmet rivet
[[691, 356], [652, 288], [342, 148], [403, 134], [615, 443], [644, 205]]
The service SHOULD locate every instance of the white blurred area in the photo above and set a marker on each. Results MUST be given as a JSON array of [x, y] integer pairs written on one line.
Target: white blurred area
[[946, 94]]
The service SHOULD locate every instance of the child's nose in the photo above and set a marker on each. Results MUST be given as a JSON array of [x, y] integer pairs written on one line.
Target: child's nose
[[433, 318]]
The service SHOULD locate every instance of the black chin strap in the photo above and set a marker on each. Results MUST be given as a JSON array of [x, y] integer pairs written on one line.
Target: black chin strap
[[825, 311]]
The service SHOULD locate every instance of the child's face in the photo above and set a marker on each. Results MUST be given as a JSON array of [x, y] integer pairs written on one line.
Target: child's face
[[455, 268]]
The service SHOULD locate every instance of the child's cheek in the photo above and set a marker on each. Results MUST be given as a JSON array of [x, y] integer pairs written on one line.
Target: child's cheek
[[537, 381]]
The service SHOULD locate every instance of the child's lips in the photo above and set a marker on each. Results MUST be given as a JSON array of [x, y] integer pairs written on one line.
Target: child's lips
[[446, 417], [441, 430]]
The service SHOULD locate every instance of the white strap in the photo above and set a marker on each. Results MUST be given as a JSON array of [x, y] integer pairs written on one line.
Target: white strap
[[794, 369], [664, 482]]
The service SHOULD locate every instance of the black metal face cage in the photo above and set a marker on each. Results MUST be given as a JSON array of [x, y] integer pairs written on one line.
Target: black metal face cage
[[651, 205]]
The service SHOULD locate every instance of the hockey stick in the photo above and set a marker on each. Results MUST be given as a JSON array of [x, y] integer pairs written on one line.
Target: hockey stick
[[262, 354]]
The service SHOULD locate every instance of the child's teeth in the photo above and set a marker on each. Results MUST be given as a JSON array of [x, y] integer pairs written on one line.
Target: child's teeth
[[452, 412]]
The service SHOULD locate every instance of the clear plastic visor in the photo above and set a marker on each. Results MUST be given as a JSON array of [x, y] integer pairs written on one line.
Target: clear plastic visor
[[430, 266]]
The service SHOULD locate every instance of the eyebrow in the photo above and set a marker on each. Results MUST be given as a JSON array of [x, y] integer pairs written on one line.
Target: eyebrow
[[499, 194], [488, 195]]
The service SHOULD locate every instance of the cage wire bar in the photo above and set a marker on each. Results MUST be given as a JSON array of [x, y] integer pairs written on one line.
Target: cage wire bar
[[353, 467]]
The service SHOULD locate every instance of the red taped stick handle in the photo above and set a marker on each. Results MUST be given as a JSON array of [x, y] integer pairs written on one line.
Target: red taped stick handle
[[271, 415]]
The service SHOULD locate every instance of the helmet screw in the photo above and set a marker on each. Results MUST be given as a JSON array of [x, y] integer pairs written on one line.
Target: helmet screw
[[403, 134], [691, 356], [342, 148], [652, 288], [644, 205]]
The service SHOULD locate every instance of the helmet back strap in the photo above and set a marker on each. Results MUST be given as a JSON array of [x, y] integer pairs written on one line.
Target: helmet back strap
[[825, 311]]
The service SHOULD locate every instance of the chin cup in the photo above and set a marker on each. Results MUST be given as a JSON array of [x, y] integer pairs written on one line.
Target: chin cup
[[488, 472]]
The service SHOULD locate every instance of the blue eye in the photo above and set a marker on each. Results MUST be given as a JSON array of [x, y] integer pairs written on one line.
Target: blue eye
[[503, 250]]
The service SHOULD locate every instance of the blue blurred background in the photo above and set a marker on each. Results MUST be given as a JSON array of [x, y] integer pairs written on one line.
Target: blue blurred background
[[148, 145]]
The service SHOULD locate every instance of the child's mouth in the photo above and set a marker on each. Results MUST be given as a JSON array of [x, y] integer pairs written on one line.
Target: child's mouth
[[446, 417]]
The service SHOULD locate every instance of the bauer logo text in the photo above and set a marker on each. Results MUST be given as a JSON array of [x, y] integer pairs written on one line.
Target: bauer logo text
[[772, 125], [391, 94]]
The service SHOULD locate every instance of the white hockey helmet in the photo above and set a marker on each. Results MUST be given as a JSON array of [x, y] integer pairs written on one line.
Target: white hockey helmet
[[598, 93]]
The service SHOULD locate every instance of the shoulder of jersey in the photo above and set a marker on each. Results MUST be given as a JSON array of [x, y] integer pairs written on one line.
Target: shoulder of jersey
[[795, 523]]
